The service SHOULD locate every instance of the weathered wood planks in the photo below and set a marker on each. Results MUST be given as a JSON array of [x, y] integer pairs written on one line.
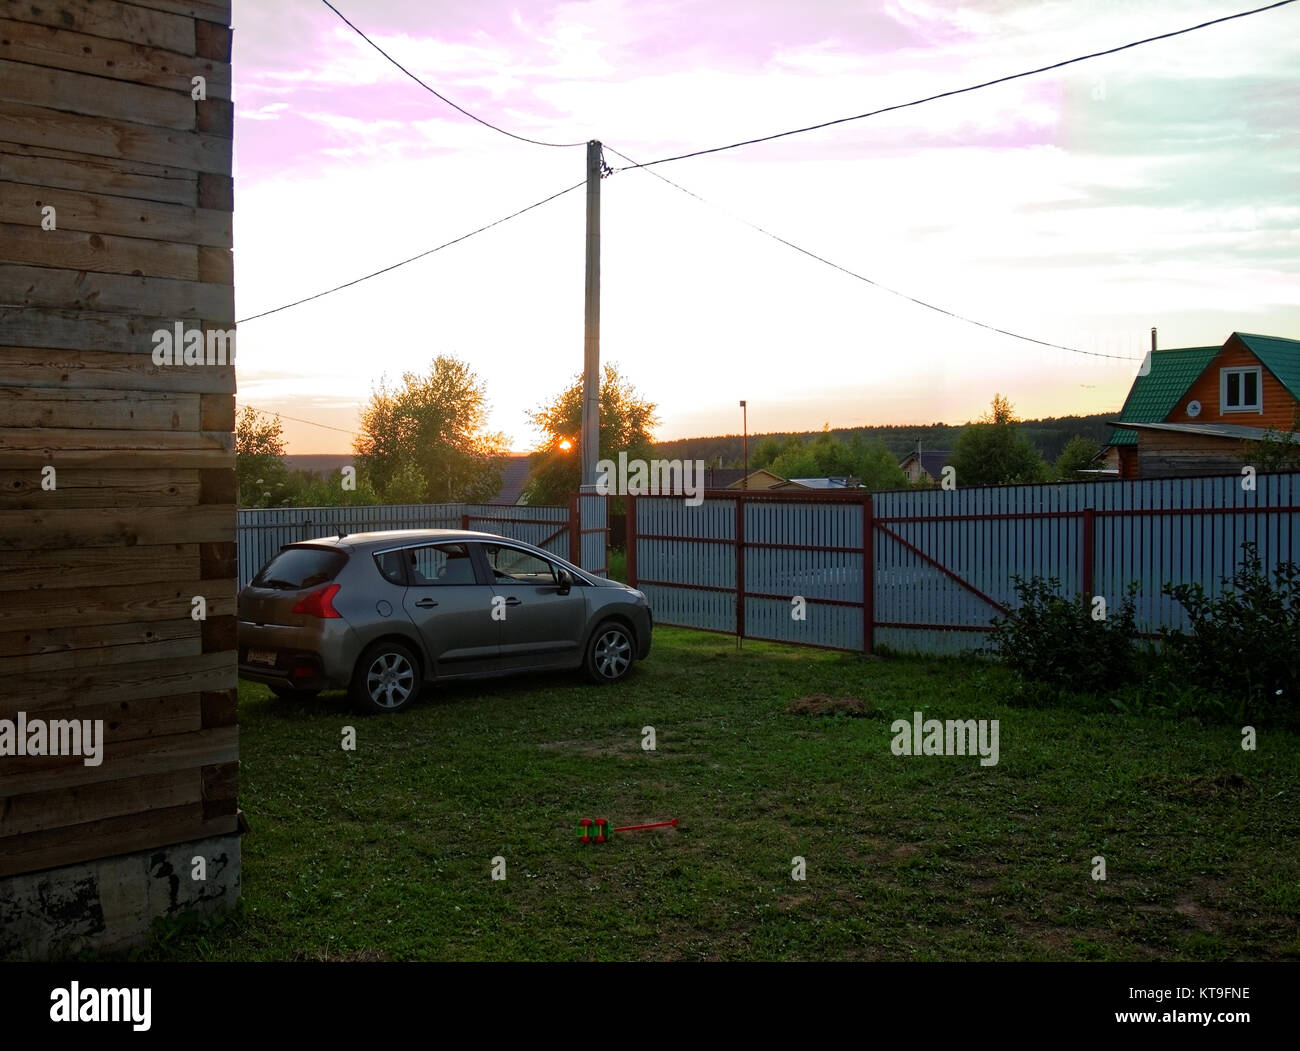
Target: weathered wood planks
[[41, 45], [115, 223]]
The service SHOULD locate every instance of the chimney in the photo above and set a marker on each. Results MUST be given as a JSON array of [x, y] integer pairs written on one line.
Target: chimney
[[1153, 339]]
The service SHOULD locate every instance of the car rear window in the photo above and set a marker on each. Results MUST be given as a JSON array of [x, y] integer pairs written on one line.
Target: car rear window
[[295, 568]]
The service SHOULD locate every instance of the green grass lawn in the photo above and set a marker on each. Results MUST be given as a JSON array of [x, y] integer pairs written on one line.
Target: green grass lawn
[[386, 852]]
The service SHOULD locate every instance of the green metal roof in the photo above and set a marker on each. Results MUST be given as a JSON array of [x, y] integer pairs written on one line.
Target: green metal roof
[[1153, 396], [1280, 356]]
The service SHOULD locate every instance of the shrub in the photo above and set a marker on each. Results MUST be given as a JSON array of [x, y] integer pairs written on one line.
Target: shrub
[[1053, 640], [1244, 645]]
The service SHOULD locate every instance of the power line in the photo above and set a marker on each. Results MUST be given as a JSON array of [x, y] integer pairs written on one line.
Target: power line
[[460, 109], [447, 244], [961, 91], [313, 423], [860, 277]]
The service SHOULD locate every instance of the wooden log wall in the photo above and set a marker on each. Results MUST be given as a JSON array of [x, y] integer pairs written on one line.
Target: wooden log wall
[[115, 222]]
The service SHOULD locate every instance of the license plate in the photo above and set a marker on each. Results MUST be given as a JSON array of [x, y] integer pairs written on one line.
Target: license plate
[[261, 657]]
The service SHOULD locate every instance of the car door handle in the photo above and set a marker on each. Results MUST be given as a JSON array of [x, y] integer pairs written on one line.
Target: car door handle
[[512, 601], [426, 603]]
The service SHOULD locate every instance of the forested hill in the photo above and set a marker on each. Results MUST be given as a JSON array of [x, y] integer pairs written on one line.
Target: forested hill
[[1048, 435]]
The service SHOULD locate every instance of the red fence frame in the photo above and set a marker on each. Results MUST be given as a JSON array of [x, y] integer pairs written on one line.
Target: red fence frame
[[871, 526], [741, 497]]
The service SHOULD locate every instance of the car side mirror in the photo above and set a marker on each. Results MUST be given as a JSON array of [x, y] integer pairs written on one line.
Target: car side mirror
[[565, 579]]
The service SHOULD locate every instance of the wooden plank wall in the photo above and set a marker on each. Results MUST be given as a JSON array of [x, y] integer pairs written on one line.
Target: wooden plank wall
[[97, 576]]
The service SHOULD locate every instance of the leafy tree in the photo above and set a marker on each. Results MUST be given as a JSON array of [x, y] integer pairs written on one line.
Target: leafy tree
[[426, 438], [1075, 457], [827, 456], [1000, 412], [311, 490], [260, 472], [1278, 450], [626, 424], [764, 453], [993, 452]]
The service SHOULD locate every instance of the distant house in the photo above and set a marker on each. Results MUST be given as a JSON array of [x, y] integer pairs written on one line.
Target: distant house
[[926, 465], [822, 483], [760, 479], [514, 479], [1194, 410], [722, 477]]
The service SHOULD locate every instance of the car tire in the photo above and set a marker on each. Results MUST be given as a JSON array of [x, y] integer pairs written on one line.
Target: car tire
[[293, 693], [610, 653], [387, 679]]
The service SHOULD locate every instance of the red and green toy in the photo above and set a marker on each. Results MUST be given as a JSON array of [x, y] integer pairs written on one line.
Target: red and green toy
[[599, 830]]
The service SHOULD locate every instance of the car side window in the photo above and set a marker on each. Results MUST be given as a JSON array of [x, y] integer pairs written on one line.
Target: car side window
[[440, 564], [511, 564], [389, 564]]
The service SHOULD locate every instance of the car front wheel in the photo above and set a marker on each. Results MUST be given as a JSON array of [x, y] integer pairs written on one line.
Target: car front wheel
[[609, 653], [387, 678]]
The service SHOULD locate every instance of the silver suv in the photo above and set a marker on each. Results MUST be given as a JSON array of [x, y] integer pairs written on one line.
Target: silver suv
[[381, 614]]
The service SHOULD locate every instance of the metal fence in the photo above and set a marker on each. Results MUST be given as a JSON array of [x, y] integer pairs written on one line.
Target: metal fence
[[262, 532], [795, 567]]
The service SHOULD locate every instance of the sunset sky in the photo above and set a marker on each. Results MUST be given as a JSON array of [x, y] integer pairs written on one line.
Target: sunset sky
[[1081, 207]]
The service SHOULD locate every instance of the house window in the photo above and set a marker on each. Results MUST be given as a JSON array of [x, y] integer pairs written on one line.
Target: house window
[[1239, 390]]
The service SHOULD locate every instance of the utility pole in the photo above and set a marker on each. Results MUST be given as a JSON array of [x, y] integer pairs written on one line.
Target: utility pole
[[745, 429], [590, 442]]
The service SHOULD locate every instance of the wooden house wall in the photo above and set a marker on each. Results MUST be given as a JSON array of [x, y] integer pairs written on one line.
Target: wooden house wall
[[1279, 405], [98, 576], [1167, 454]]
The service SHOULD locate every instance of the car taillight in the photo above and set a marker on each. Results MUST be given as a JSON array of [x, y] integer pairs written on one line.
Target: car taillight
[[319, 603]]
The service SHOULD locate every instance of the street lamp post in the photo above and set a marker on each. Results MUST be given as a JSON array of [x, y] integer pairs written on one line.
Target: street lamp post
[[745, 428]]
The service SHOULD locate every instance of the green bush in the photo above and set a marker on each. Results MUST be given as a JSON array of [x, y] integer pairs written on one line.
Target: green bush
[[1243, 645], [1054, 641]]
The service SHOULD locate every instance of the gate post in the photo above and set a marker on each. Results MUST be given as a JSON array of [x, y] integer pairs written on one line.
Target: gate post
[[629, 539], [740, 566], [1089, 552], [868, 576], [575, 532]]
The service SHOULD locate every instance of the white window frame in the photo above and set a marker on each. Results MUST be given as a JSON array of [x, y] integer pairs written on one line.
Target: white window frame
[[1258, 407]]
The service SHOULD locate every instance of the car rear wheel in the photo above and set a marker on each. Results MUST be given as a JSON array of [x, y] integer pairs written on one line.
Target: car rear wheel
[[387, 678], [609, 653]]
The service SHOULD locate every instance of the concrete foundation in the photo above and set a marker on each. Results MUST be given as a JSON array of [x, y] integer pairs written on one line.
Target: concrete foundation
[[112, 903]]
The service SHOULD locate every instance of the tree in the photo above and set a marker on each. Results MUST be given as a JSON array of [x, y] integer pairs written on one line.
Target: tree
[[829, 457], [1278, 450], [1000, 412], [311, 490], [992, 452], [627, 422], [1077, 455], [260, 473], [426, 439]]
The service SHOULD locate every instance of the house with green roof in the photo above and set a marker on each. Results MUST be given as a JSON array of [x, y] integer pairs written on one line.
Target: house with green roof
[[1196, 410]]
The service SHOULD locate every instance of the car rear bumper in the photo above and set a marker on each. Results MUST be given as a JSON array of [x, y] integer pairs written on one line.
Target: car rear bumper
[[314, 658]]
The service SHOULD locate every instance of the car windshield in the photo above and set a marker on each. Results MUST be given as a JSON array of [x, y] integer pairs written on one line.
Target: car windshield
[[295, 568]]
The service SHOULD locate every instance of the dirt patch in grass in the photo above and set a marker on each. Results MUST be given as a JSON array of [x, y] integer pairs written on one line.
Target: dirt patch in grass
[[1206, 919], [825, 704], [1199, 789], [586, 747]]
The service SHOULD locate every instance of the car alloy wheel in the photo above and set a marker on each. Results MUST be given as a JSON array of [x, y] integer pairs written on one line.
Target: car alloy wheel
[[611, 653], [387, 678]]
